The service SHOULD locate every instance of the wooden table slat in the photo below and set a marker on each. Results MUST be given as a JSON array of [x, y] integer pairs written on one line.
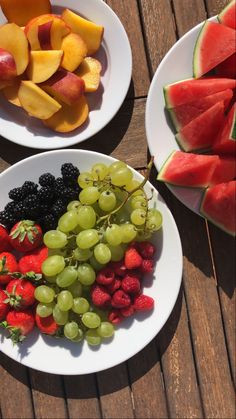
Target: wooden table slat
[[186, 20], [215, 6]]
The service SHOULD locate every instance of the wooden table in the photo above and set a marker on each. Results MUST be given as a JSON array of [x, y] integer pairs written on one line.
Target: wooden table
[[188, 370]]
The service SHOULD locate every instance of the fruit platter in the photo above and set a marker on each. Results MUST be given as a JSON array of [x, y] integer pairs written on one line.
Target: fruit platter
[[59, 66], [90, 261], [191, 119]]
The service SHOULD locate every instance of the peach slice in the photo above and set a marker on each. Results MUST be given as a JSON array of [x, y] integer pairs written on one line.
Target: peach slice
[[64, 86], [43, 64], [13, 39], [7, 65], [90, 32], [89, 70], [74, 49], [68, 118], [36, 102], [20, 12], [11, 92]]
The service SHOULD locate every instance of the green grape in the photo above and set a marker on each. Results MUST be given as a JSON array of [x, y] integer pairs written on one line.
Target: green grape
[[102, 253], [80, 305], [105, 330], [121, 177], [138, 216], [55, 239], [82, 254], [91, 320], [87, 217], [89, 195], [133, 184], [60, 317], [44, 294], [138, 202], [68, 221], [65, 300], [67, 277], [53, 265], [73, 205], [50, 279], [154, 220], [113, 235], [92, 338], [79, 336], [85, 179], [59, 252], [121, 217], [44, 310], [71, 330], [99, 171], [128, 232], [94, 263], [117, 253], [107, 201], [143, 235], [76, 289], [87, 238], [86, 274], [116, 165]]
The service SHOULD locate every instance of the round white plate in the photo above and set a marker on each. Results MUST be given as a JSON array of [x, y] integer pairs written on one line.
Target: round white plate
[[175, 66], [63, 357], [116, 59]]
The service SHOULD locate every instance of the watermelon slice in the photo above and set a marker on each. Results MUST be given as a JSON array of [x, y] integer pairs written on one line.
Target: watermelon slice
[[201, 132], [225, 170], [215, 43], [189, 90], [226, 140], [228, 15], [219, 206], [183, 114], [186, 169], [227, 68]]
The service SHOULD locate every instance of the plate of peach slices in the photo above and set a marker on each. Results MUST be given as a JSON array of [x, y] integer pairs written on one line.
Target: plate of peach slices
[[65, 69]]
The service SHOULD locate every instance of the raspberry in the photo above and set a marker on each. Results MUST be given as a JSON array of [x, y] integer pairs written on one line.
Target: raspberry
[[130, 284], [147, 266], [114, 286], [143, 303], [146, 249], [115, 317], [127, 311], [118, 267], [120, 299], [133, 259], [105, 276], [100, 296]]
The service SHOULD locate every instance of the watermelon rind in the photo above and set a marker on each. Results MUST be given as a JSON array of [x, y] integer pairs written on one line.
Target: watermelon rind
[[233, 132], [196, 51], [224, 12], [166, 92]]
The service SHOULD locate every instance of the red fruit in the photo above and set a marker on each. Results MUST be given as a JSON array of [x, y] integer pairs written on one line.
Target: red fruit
[[133, 259], [19, 324], [100, 296], [120, 299], [46, 324], [127, 311], [114, 286], [119, 268], [8, 265], [25, 236], [143, 303], [131, 284], [20, 293], [4, 307], [105, 276], [4, 240], [146, 249], [147, 266], [115, 317], [33, 261]]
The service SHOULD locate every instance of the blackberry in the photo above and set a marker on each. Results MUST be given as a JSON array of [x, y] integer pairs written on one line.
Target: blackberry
[[6, 219], [29, 188], [44, 208], [69, 194], [47, 179], [10, 207], [31, 204], [48, 222], [46, 193], [69, 172], [20, 210], [59, 187], [58, 208], [16, 194]]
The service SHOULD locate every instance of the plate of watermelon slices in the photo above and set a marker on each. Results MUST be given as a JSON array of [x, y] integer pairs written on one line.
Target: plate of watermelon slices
[[191, 119]]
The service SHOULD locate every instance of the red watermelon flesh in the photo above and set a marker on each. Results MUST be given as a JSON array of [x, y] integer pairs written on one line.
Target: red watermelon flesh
[[219, 206], [186, 169], [183, 114], [226, 140], [227, 68], [225, 170], [201, 132], [228, 15], [215, 43], [189, 90]]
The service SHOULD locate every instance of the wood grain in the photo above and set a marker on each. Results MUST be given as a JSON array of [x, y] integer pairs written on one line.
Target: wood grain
[[215, 6], [188, 13]]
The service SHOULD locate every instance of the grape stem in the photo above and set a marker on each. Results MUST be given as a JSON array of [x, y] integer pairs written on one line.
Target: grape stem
[[129, 194]]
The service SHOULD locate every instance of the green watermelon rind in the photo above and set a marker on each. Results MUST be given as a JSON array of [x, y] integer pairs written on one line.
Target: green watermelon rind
[[181, 142], [232, 135], [166, 88], [224, 11], [196, 51], [174, 119]]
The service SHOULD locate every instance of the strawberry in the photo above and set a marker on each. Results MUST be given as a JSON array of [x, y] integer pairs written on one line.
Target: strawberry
[[46, 324], [19, 324], [133, 259], [4, 307], [8, 265], [4, 240], [20, 293], [32, 262], [26, 236]]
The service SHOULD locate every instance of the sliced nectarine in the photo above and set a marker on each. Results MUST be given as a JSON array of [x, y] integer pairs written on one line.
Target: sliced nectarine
[[68, 118], [7, 65], [90, 32], [13, 39], [43, 64], [36, 102], [64, 86], [21, 11], [75, 49], [89, 70], [11, 92]]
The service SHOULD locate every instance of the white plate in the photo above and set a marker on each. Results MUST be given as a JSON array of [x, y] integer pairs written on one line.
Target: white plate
[[115, 56], [63, 357], [176, 65]]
